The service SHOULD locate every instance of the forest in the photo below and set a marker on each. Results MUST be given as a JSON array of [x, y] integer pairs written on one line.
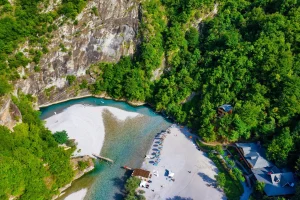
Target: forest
[[247, 55], [32, 165]]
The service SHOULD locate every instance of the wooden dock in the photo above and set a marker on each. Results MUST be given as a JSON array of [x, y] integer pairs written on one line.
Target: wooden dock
[[104, 158]]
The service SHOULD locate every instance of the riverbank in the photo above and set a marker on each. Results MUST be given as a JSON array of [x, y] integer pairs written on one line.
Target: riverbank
[[78, 174], [126, 142], [103, 96], [84, 123], [192, 171]]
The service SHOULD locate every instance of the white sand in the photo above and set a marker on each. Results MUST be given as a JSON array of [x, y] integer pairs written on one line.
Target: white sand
[[179, 155], [84, 123], [79, 195]]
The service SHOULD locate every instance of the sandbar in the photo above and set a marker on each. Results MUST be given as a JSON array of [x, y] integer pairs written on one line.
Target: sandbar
[[84, 123], [79, 195]]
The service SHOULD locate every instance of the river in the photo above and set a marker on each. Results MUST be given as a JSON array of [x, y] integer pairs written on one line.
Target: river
[[125, 142]]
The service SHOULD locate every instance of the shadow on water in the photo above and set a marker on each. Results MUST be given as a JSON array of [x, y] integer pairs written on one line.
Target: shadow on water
[[118, 196]]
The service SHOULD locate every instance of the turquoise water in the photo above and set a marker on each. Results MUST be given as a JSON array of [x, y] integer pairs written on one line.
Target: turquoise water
[[125, 142]]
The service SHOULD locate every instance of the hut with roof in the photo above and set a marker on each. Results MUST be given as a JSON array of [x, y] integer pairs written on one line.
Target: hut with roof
[[224, 109], [141, 174]]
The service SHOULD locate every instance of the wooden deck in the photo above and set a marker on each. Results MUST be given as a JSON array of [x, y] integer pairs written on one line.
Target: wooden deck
[[103, 158]]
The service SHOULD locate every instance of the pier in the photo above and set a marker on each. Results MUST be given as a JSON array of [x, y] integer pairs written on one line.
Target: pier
[[103, 158]]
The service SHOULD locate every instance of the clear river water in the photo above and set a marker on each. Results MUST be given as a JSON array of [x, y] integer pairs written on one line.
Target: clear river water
[[125, 142]]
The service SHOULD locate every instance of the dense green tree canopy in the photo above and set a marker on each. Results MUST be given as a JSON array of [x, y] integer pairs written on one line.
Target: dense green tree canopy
[[61, 136], [32, 165], [246, 56]]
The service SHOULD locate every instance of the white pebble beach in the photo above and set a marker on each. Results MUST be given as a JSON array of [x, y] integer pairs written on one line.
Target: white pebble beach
[[84, 123], [192, 169]]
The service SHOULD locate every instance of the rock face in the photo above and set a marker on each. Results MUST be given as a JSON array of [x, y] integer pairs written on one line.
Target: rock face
[[105, 36], [9, 113]]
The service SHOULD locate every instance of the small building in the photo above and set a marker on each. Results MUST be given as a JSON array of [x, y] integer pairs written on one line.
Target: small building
[[141, 174], [222, 110], [276, 183], [254, 154]]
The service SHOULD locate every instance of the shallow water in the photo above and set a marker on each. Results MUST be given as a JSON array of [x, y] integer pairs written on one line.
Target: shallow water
[[125, 142]]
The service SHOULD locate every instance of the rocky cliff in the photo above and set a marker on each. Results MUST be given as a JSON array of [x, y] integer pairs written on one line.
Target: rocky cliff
[[104, 36], [9, 113]]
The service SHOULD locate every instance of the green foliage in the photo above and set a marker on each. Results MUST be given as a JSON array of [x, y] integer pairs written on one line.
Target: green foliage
[[24, 21], [3, 2], [5, 87], [83, 165], [95, 10], [71, 79], [238, 174], [130, 187], [192, 38], [71, 8], [259, 186], [132, 184], [71, 143], [32, 165], [61, 137], [232, 187], [62, 47], [280, 147], [258, 192], [246, 56], [221, 179], [37, 68], [219, 149], [83, 84]]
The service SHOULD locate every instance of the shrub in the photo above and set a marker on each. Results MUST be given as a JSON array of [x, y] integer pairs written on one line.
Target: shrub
[[5, 87], [221, 179], [95, 11], [132, 184], [71, 79], [83, 84], [70, 143], [37, 68], [61, 136], [83, 165]]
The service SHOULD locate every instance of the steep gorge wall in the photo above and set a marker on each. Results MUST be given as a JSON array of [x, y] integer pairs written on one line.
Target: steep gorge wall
[[104, 37]]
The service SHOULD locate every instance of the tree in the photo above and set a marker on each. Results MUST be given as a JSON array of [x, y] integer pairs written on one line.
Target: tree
[[83, 165], [219, 149], [192, 37], [132, 184], [141, 197], [238, 174], [280, 147], [5, 87], [71, 79], [61, 137], [259, 186], [221, 179]]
